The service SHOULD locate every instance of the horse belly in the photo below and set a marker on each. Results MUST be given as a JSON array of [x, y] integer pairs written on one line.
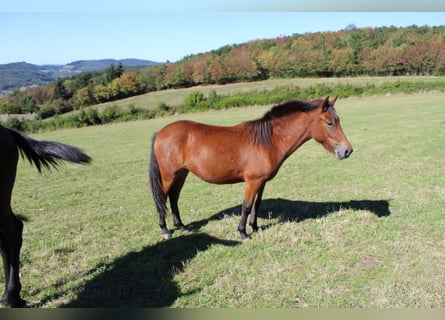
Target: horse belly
[[214, 167]]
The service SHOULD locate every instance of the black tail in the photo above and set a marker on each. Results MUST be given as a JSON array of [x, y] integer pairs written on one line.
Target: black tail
[[47, 153], [155, 179]]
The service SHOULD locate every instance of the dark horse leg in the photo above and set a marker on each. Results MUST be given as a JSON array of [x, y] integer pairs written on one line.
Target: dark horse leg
[[10, 229], [173, 195], [162, 210], [255, 209], [10, 244], [41, 154], [252, 197]]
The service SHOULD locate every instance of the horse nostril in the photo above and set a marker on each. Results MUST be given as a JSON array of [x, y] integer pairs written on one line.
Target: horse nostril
[[348, 152]]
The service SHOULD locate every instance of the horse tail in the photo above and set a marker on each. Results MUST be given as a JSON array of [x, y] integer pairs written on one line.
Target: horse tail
[[47, 153], [155, 180]]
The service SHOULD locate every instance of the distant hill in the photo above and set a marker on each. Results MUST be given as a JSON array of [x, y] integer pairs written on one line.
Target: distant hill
[[18, 75], [95, 65]]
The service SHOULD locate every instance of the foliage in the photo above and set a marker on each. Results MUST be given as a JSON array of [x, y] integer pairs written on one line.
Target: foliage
[[195, 99], [163, 109], [368, 51], [198, 101], [383, 51], [69, 94], [7, 107], [14, 123], [82, 118], [22, 74]]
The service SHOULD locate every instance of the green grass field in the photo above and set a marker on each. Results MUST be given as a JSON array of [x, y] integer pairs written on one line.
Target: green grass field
[[364, 232], [175, 97]]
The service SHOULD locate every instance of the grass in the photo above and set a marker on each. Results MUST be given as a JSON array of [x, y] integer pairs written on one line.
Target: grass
[[363, 232], [168, 102], [175, 97]]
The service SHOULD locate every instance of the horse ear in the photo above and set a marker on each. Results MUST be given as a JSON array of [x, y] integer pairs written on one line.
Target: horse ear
[[332, 101], [326, 104]]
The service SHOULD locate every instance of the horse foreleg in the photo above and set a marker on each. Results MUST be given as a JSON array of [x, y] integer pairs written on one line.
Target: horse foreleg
[[242, 224], [256, 209], [250, 195], [6, 266]]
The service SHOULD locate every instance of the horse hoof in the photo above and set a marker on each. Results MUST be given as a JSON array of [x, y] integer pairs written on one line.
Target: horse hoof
[[244, 237], [166, 236], [185, 230], [18, 303]]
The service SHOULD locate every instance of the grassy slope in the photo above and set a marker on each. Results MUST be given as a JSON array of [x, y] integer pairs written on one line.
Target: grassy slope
[[175, 97], [91, 236]]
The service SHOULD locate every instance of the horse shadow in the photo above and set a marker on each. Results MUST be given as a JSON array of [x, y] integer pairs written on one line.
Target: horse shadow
[[296, 211], [144, 278]]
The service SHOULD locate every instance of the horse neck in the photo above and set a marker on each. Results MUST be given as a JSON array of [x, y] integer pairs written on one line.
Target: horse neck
[[290, 132]]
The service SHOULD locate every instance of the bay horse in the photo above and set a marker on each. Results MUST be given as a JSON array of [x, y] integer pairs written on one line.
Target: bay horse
[[43, 154], [251, 152]]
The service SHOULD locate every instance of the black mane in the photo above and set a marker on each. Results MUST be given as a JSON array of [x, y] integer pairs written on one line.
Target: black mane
[[260, 130]]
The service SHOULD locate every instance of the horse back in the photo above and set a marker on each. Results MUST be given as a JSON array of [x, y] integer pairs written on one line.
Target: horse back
[[190, 134]]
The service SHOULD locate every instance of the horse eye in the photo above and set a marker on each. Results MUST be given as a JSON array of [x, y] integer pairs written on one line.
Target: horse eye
[[329, 123]]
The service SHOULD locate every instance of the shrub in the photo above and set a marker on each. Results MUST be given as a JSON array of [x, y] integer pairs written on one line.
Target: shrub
[[194, 99], [92, 117], [45, 112], [109, 114], [13, 123]]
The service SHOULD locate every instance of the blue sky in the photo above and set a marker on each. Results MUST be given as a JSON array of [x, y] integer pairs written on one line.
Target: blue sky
[[50, 32]]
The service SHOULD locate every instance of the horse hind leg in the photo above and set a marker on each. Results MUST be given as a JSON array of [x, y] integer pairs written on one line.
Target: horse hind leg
[[173, 195], [160, 199], [165, 233], [10, 244]]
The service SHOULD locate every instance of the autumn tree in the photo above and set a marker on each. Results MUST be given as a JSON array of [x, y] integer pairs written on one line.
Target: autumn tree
[[340, 62], [84, 97], [240, 65], [216, 71], [40, 94], [100, 94], [200, 73], [169, 75], [130, 83], [384, 60]]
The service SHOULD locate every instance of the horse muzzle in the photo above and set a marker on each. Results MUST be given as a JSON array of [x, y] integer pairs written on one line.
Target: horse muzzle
[[343, 152]]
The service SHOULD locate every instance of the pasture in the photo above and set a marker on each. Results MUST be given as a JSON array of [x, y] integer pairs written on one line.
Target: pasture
[[367, 231], [175, 97]]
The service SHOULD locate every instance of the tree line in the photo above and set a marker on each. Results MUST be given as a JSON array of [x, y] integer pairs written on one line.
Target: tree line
[[383, 51], [197, 101], [74, 93]]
